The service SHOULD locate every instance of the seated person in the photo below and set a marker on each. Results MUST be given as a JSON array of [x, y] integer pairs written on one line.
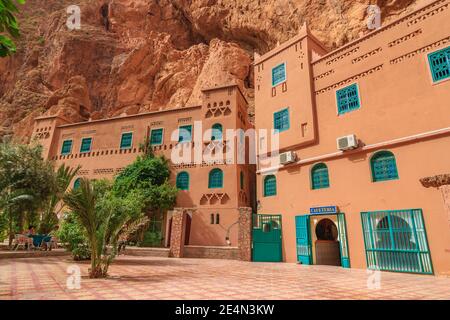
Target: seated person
[[51, 241]]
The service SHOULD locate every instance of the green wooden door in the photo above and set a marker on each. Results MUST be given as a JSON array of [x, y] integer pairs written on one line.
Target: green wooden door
[[343, 243], [267, 238], [303, 236]]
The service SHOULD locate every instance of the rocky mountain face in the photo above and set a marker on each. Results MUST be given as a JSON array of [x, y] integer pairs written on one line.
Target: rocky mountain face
[[132, 56]]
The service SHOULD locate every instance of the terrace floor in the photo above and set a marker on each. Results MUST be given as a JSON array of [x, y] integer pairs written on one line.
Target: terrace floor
[[167, 278]]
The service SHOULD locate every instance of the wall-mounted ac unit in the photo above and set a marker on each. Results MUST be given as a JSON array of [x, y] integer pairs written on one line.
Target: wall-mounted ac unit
[[288, 157], [347, 142]]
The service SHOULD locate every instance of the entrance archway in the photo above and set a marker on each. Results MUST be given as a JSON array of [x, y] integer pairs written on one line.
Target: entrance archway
[[327, 244]]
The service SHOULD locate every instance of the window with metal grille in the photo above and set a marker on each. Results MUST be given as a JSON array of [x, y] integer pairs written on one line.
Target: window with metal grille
[[270, 186], [183, 180], [185, 133], [216, 132], [396, 240], [279, 74], [156, 137], [319, 176], [440, 64], [348, 99], [86, 144], [66, 147], [215, 179], [77, 183], [281, 120], [384, 166], [127, 140]]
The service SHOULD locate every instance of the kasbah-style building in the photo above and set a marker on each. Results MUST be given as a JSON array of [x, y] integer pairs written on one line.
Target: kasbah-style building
[[362, 176]]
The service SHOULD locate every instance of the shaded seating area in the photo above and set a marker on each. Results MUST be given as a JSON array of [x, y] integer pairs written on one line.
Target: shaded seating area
[[34, 242]]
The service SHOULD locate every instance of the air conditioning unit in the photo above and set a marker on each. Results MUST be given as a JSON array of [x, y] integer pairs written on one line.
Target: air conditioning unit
[[347, 142], [288, 157]]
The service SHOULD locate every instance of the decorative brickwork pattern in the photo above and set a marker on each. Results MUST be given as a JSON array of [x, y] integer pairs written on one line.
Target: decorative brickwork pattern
[[245, 234], [177, 234]]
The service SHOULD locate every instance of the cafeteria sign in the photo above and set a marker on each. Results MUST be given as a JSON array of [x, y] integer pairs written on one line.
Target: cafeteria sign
[[324, 210]]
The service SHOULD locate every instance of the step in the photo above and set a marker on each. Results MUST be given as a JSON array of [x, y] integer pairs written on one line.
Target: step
[[147, 252]]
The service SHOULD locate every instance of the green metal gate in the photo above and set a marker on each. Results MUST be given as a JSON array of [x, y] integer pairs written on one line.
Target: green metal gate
[[396, 240], [266, 243]]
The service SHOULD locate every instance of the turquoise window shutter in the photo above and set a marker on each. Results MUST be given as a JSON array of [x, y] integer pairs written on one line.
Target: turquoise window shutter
[[86, 144], [77, 183], [215, 179], [319, 176], [439, 62], [281, 120], [348, 99], [183, 180], [66, 147], [185, 133], [270, 186], [303, 237], [279, 74], [156, 137], [384, 166], [216, 132], [126, 141]]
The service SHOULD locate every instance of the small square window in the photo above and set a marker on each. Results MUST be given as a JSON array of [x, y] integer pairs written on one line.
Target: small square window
[[156, 137], [348, 99], [279, 74], [66, 147], [440, 64], [127, 140], [281, 120], [86, 144], [185, 133]]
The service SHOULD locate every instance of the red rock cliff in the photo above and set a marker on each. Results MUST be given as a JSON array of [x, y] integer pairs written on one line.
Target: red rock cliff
[[138, 55]]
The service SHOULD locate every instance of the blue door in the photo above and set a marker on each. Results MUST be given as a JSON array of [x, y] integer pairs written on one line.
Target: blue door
[[303, 236]]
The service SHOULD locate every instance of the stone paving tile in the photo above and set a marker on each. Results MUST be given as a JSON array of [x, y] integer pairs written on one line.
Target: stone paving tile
[[164, 278]]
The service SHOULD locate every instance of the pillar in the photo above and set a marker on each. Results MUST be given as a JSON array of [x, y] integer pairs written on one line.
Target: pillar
[[177, 233], [245, 234]]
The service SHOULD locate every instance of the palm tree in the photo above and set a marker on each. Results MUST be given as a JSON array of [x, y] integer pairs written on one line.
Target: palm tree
[[63, 176], [83, 202], [103, 217]]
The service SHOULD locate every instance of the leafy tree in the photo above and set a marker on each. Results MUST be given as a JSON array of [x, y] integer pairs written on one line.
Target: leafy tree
[[62, 179], [103, 216], [8, 23], [150, 176], [73, 235], [26, 181]]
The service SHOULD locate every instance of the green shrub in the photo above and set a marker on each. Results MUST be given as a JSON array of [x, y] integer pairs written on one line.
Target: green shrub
[[71, 234], [151, 239]]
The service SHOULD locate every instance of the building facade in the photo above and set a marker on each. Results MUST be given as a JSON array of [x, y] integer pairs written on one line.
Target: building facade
[[358, 129], [212, 186]]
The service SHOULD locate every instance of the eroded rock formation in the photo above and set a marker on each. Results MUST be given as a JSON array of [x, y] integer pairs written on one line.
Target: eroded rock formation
[[132, 56]]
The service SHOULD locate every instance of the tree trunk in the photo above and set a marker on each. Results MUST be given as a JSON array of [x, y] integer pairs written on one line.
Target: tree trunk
[[11, 231]]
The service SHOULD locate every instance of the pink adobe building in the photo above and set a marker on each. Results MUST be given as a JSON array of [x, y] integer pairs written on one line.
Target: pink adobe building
[[215, 194], [364, 131]]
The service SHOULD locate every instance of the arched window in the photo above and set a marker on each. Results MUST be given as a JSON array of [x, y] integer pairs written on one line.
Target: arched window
[[383, 166], [183, 180], [216, 133], [319, 176], [77, 183], [270, 186], [215, 179]]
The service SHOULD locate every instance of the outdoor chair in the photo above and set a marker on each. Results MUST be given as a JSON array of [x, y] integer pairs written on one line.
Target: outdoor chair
[[23, 241]]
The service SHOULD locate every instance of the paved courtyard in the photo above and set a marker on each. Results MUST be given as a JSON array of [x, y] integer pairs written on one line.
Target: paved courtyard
[[164, 278]]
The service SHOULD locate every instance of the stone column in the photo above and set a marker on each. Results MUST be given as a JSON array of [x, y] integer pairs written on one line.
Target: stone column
[[177, 233], [245, 234]]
